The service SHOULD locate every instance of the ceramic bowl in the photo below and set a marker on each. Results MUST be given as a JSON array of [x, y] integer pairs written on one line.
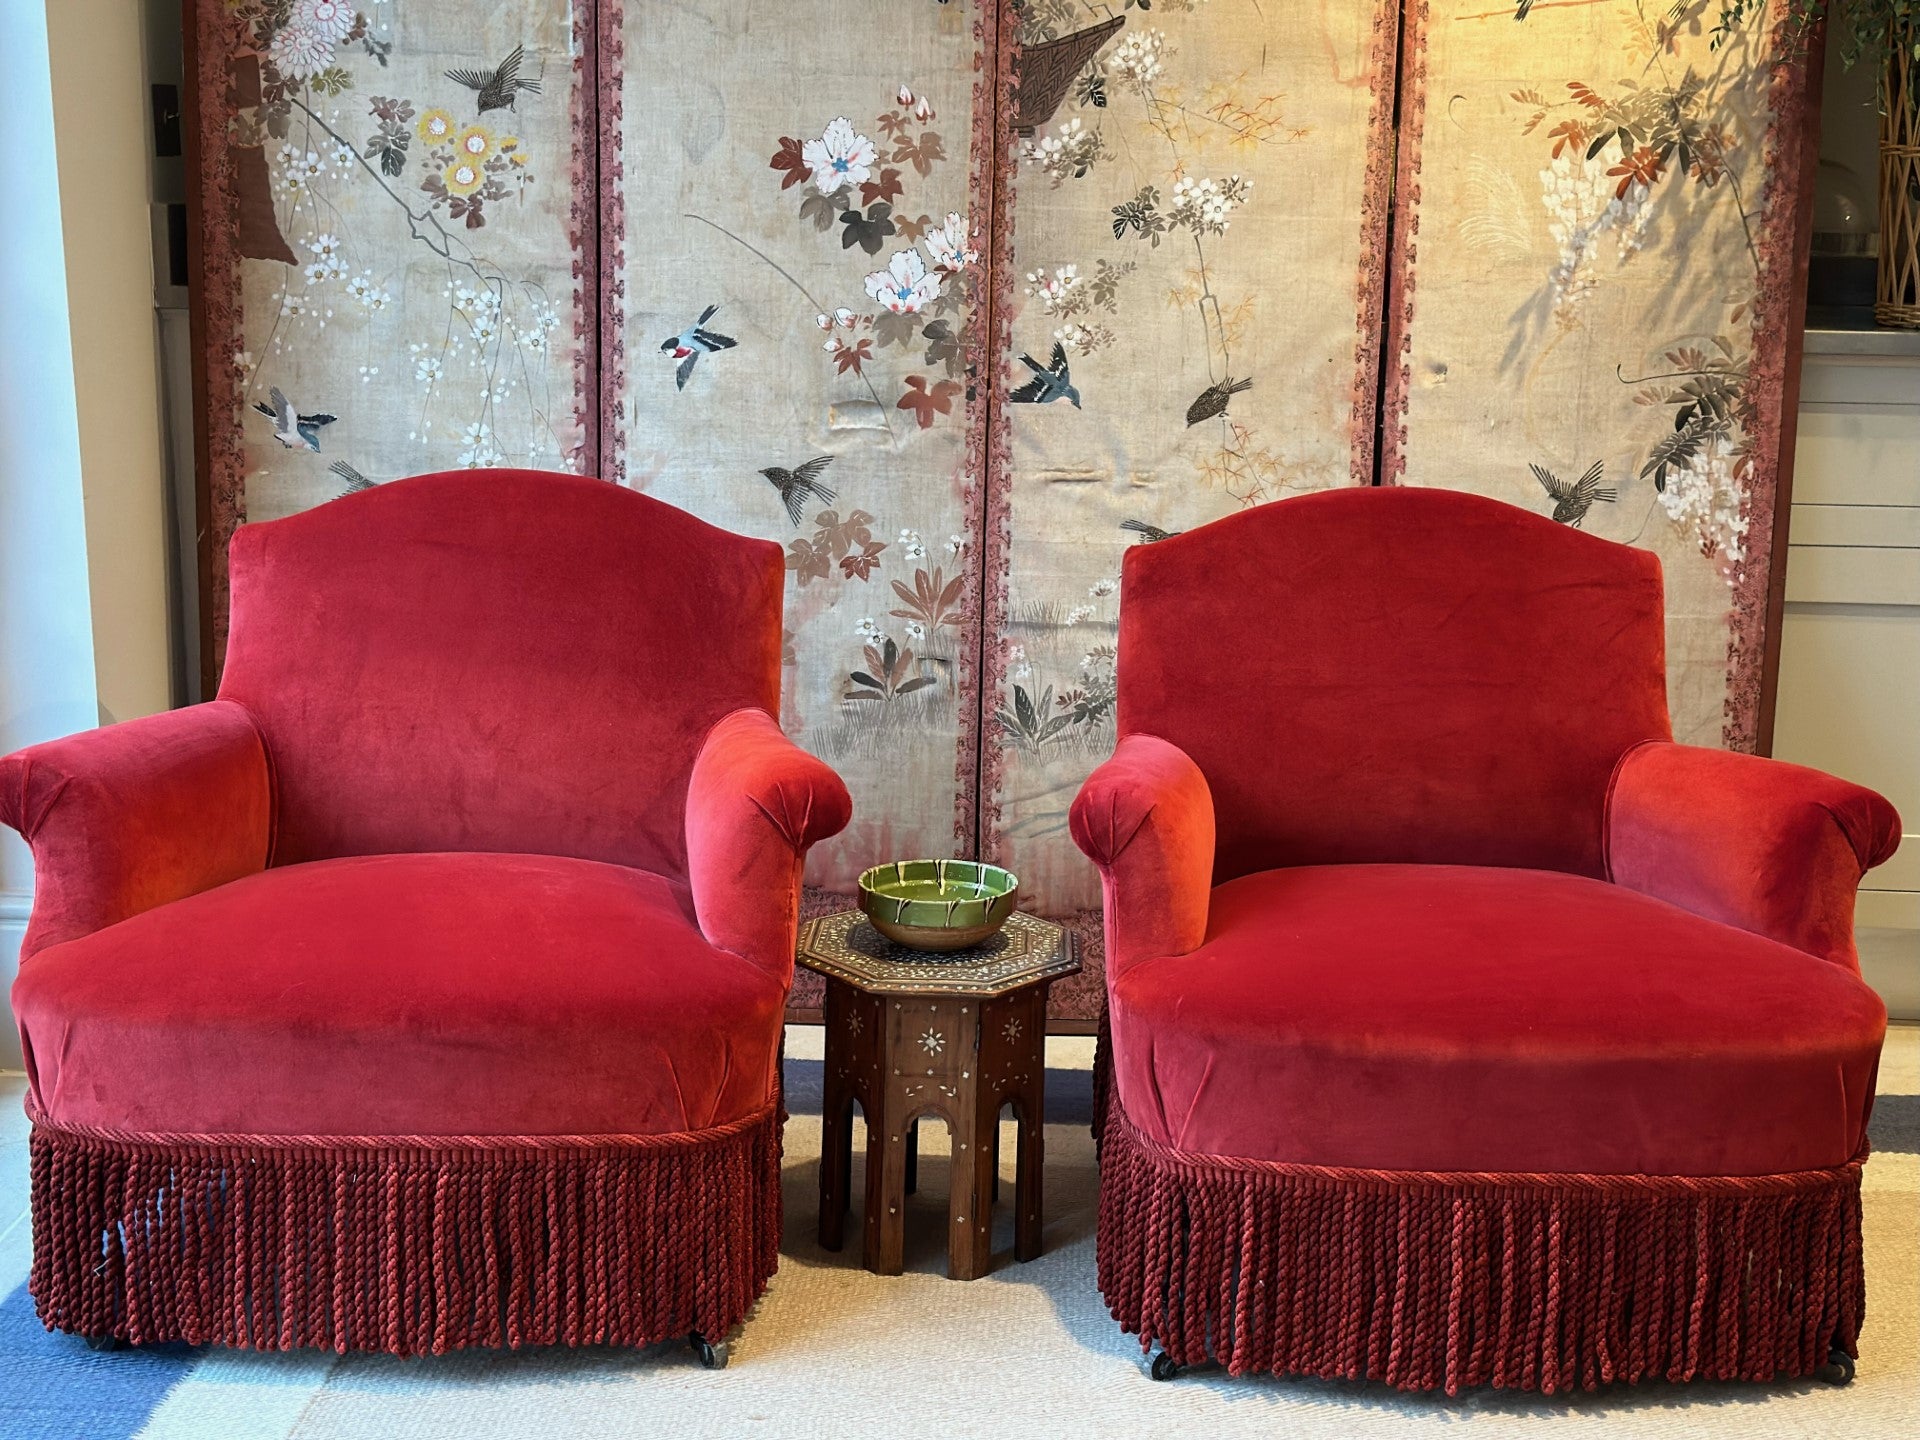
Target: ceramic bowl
[[938, 904]]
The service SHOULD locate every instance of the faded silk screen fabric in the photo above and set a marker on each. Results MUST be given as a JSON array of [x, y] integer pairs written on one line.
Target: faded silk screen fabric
[[959, 301]]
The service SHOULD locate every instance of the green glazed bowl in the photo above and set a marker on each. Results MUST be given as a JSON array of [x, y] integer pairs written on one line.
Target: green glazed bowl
[[938, 904]]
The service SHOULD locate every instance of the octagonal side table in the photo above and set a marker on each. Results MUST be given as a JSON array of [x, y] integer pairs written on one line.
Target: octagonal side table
[[911, 1034]]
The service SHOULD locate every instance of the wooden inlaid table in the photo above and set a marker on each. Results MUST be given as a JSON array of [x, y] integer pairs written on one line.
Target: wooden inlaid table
[[912, 1034]]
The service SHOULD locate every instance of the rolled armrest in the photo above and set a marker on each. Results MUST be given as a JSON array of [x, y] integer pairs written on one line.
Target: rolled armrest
[[1774, 848], [755, 804], [138, 814], [1145, 817]]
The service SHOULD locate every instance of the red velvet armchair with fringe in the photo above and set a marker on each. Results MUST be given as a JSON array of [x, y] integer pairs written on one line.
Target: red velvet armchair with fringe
[[1463, 1029], [425, 989]]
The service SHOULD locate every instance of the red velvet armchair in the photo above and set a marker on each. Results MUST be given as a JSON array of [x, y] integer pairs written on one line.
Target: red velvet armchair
[[1463, 1028], [425, 989]]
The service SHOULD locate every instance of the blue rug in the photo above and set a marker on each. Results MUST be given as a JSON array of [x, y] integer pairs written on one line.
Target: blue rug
[[52, 1387]]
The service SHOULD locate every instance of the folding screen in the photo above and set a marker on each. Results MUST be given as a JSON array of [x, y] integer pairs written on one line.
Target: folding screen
[[958, 300], [1195, 228], [393, 277], [795, 206], [1598, 278]]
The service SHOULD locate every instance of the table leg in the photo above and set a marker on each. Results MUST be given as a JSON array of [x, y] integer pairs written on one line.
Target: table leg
[[836, 1163], [913, 1158], [1030, 1113], [970, 1228], [847, 1059], [886, 1195], [1030, 1165]]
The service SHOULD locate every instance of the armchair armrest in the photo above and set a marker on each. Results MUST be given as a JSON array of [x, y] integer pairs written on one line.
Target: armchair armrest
[[755, 804], [1145, 817], [135, 815], [1774, 848]]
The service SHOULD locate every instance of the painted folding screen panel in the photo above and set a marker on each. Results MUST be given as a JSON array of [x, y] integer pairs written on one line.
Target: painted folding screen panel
[[1594, 295], [795, 206], [1191, 283], [396, 240]]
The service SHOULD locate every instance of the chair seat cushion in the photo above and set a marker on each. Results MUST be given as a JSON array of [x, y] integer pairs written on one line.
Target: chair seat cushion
[[430, 994], [1440, 1017]]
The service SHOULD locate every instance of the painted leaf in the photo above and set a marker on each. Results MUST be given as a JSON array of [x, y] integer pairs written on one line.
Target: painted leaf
[[943, 345], [1568, 134], [860, 566], [836, 536], [868, 231], [388, 150], [807, 561], [853, 357], [1645, 166], [932, 599], [885, 187], [922, 153], [926, 402], [896, 328], [789, 160], [822, 210]]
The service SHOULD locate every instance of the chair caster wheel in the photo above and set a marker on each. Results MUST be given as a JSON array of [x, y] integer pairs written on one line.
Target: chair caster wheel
[[103, 1344], [1839, 1368], [712, 1356], [1164, 1366]]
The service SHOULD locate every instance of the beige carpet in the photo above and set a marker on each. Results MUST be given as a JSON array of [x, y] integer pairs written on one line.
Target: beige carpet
[[1027, 1351]]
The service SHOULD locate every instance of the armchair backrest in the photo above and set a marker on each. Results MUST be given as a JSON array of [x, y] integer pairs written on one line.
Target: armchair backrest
[[1396, 675], [495, 660]]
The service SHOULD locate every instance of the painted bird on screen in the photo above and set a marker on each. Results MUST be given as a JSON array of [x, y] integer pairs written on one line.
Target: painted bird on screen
[[351, 478], [1147, 533], [290, 427], [1050, 382], [797, 484], [1572, 501], [1213, 400], [691, 343], [497, 87]]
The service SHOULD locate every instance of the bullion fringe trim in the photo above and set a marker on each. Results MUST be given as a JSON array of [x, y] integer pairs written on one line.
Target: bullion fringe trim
[[408, 1245], [1449, 1281]]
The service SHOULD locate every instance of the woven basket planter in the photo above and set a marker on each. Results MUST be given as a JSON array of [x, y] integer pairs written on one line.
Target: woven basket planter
[[1897, 301]]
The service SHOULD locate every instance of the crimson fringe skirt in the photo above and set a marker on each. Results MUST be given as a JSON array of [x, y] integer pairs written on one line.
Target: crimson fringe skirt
[[404, 1244], [1449, 1281]]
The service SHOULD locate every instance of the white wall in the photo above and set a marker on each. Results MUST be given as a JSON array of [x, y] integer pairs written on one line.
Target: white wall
[[1850, 640], [46, 641], [102, 135]]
